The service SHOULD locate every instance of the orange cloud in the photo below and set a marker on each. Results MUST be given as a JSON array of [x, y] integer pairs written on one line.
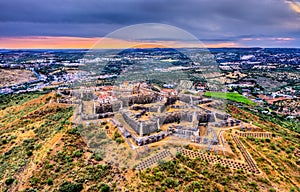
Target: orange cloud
[[294, 5], [46, 42]]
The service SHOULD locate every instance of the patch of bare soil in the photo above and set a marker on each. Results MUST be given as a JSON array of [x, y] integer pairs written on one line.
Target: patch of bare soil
[[15, 76]]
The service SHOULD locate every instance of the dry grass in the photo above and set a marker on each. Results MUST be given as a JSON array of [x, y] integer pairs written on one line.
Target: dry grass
[[15, 76]]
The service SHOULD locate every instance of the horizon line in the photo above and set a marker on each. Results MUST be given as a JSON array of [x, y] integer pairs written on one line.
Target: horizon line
[[241, 47], [69, 42]]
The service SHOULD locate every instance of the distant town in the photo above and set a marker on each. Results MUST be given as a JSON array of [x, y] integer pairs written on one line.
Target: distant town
[[269, 77]]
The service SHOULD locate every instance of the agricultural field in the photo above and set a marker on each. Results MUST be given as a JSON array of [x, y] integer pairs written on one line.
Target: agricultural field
[[232, 96]]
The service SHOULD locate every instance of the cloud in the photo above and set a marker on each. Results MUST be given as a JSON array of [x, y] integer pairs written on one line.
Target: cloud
[[211, 21], [295, 5], [270, 39]]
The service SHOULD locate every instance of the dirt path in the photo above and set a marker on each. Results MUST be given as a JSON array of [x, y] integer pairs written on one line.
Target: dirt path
[[24, 176]]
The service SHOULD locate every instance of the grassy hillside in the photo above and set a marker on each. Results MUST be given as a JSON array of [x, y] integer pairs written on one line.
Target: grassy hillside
[[186, 174], [277, 158], [230, 96], [27, 126], [42, 151]]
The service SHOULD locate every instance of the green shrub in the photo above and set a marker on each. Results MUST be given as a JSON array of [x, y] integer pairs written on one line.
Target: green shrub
[[38, 146], [9, 181], [116, 135], [77, 153], [293, 189], [250, 138], [288, 150], [272, 146], [70, 187], [34, 180], [120, 140], [104, 188], [50, 181], [253, 184], [29, 153], [4, 141], [292, 147], [98, 157]]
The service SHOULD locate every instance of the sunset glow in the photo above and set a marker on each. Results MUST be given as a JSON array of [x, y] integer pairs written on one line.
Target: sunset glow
[[50, 42]]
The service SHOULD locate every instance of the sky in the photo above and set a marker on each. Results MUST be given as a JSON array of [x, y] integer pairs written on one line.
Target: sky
[[81, 23]]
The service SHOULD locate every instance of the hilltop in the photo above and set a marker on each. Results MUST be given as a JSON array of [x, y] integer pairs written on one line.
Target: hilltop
[[42, 151]]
